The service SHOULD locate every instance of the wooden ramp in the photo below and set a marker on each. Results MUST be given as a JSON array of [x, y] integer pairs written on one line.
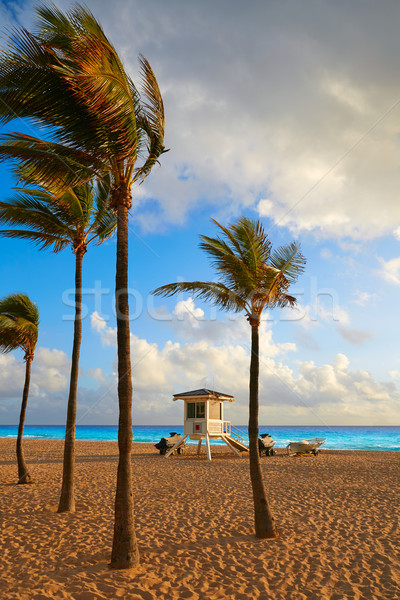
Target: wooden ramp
[[235, 443]]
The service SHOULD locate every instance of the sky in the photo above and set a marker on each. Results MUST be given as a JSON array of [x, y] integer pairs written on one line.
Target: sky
[[287, 112]]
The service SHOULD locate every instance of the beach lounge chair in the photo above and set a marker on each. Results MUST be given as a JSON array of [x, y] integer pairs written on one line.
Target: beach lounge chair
[[266, 445], [310, 446], [168, 442]]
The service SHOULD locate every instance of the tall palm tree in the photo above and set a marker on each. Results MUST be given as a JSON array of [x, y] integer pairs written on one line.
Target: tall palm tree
[[252, 278], [57, 219], [19, 328], [68, 77]]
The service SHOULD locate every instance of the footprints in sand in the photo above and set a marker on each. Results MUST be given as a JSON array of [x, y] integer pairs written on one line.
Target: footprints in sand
[[336, 515]]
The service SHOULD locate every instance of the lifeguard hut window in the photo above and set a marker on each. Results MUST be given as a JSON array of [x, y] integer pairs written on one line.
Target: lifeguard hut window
[[196, 410]]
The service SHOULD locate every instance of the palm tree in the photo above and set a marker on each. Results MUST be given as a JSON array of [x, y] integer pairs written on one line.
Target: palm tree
[[19, 328], [68, 77], [57, 219], [251, 278]]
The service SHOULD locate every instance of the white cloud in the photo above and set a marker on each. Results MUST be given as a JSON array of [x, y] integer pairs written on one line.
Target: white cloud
[[186, 313], [97, 375], [271, 101], [333, 313], [309, 393], [99, 324], [364, 298], [319, 312], [50, 373], [326, 394], [390, 270]]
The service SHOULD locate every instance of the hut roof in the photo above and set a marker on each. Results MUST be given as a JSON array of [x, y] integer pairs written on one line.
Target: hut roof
[[204, 394]]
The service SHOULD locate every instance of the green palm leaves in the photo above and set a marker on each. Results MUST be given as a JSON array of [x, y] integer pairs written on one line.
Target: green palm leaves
[[19, 324], [56, 218], [251, 276], [68, 78]]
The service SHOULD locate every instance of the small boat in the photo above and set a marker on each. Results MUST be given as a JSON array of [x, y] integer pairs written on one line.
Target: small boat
[[310, 446]]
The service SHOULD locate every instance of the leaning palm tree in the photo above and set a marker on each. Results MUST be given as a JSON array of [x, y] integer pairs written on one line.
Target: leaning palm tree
[[251, 278], [19, 328], [56, 219], [68, 77]]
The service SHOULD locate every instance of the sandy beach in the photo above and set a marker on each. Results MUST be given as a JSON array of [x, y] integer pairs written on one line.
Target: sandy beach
[[337, 515]]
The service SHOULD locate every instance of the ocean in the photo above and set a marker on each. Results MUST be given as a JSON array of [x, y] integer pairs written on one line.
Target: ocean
[[337, 438]]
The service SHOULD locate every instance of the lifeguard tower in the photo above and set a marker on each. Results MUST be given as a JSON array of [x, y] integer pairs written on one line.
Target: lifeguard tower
[[204, 420]]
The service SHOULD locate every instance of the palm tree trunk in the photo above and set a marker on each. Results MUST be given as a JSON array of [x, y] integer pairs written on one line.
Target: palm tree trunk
[[125, 552], [67, 496], [263, 519], [23, 473]]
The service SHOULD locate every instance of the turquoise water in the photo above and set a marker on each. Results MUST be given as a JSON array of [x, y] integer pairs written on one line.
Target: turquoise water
[[337, 438]]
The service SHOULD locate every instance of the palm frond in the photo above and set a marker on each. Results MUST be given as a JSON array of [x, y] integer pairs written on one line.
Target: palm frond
[[154, 107], [217, 293], [239, 257], [250, 276], [232, 270], [9, 341], [31, 87], [91, 67], [39, 215], [103, 217], [255, 247], [42, 240], [286, 300], [54, 217], [19, 323], [45, 161], [150, 120], [68, 78], [289, 260]]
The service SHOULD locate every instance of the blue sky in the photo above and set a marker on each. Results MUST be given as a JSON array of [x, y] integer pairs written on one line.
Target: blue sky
[[285, 112]]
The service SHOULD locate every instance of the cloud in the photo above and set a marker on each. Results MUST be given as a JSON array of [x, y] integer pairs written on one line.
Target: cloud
[[49, 373], [10, 12], [48, 388], [99, 324], [282, 107], [305, 340], [314, 394], [365, 298], [390, 270], [305, 393], [354, 336], [325, 310], [97, 375]]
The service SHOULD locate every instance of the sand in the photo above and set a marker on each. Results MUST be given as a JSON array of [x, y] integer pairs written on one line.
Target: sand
[[337, 515]]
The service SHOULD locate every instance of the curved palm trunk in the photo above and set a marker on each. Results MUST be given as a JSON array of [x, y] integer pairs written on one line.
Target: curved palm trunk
[[263, 519], [125, 552], [23, 473], [67, 497]]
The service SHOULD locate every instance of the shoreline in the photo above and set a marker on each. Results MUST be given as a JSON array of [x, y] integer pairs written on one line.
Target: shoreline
[[336, 514], [193, 444]]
